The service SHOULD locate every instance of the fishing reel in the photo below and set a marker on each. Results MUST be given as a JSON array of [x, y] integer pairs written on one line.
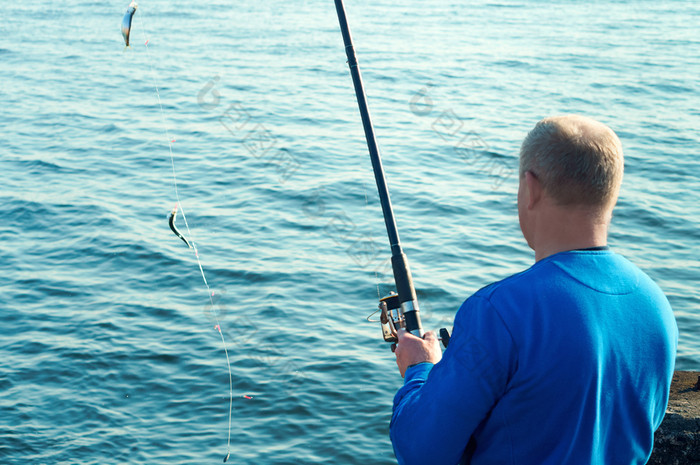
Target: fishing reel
[[392, 319]]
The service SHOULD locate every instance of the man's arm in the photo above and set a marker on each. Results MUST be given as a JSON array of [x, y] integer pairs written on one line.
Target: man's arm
[[439, 407]]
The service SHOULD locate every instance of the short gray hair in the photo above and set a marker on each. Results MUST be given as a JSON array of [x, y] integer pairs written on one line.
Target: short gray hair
[[577, 160]]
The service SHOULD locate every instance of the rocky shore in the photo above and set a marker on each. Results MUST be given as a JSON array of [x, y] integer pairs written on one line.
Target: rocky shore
[[677, 441]]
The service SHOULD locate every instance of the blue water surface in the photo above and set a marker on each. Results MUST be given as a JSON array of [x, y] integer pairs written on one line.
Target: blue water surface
[[108, 346]]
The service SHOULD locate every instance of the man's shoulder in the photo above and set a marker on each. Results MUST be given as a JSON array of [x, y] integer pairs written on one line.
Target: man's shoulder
[[500, 297], [509, 283], [603, 271]]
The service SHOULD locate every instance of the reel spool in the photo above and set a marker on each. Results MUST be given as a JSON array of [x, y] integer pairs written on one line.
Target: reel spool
[[392, 319]]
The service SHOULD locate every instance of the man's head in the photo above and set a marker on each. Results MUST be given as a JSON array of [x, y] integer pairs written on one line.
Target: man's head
[[575, 165], [577, 159]]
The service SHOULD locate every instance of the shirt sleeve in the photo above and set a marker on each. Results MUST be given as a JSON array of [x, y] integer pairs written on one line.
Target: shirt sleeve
[[439, 407]]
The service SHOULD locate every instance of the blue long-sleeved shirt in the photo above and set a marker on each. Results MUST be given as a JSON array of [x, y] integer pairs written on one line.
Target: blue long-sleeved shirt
[[568, 362]]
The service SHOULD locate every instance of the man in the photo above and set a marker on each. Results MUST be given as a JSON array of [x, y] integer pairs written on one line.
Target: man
[[567, 362]]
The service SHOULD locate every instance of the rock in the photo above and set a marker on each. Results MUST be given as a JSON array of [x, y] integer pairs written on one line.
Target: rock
[[677, 441]]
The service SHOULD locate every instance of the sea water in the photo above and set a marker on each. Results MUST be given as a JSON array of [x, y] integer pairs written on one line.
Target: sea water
[[108, 351]]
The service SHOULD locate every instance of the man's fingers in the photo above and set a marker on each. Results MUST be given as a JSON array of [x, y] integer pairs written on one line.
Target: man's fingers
[[428, 336], [412, 350], [403, 335]]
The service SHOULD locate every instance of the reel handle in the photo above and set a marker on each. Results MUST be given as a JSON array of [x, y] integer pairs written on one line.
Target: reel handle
[[445, 337]]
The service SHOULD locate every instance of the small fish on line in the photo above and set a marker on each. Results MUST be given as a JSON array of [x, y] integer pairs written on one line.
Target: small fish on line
[[126, 22], [126, 28], [171, 222]]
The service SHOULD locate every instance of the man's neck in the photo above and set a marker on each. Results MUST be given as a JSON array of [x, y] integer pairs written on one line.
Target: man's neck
[[566, 230], [544, 253]]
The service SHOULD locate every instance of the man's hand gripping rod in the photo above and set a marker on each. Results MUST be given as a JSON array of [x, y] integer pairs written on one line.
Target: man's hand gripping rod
[[398, 310]]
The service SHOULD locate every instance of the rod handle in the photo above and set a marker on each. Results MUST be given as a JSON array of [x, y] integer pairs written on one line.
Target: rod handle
[[407, 294]]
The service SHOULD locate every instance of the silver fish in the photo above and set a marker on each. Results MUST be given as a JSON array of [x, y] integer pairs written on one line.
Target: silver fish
[[126, 22], [171, 222]]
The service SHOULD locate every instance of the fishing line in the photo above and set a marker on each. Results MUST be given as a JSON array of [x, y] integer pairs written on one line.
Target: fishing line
[[376, 273], [191, 243]]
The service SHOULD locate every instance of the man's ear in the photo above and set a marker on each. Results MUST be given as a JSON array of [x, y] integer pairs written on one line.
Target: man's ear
[[534, 189]]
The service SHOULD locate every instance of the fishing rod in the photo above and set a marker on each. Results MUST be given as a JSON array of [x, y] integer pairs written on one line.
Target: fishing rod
[[398, 310]]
